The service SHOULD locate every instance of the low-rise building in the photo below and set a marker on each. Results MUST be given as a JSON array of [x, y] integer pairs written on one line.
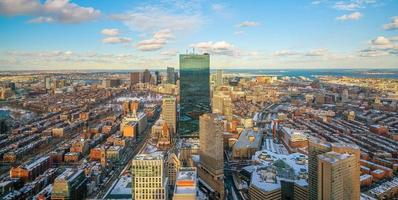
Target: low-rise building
[[279, 176], [248, 143], [31, 170]]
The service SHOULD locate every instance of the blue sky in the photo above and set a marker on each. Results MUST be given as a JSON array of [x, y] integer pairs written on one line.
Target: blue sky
[[125, 34]]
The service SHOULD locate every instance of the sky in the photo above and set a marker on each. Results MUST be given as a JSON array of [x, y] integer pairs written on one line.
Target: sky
[[135, 35]]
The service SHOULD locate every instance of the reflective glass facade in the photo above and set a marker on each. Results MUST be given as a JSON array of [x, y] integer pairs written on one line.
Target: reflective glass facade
[[194, 91]]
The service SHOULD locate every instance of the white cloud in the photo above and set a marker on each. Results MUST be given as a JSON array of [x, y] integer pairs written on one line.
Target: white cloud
[[317, 52], [110, 32], [67, 12], [285, 53], [352, 16], [248, 24], [380, 41], [312, 53], [372, 53], [169, 52], [341, 5], [50, 11], [352, 5], [218, 48], [158, 41], [150, 19], [60, 59], [380, 46], [116, 40], [42, 20], [163, 34], [19, 7], [393, 25], [151, 44]]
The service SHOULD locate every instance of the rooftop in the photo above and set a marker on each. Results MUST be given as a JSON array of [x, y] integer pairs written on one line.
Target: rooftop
[[35, 163], [122, 189], [248, 139], [333, 157], [273, 168], [158, 155], [69, 174], [186, 181]]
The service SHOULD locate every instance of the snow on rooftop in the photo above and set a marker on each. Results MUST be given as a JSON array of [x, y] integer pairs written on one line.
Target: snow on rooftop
[[186, 175], [122, 187], [272, 168], [248, 138], [364, 177], [333, 157], [34, 163]]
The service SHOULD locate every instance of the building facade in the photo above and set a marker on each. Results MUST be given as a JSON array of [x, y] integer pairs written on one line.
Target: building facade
[[186, 188], [146, 76], [334, 170], [72, 184], [315, 148], [169, 113], [171, 76], [335, 176], [211, 166], [135, 77], [219, 78], [148, 179], [194, 91]]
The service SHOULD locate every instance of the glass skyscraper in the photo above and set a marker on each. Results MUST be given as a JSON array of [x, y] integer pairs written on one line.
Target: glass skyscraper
[[194, 91]]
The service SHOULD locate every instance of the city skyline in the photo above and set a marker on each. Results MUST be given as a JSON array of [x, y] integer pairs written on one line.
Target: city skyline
[[110, 135], [62, 34], [199, 99]]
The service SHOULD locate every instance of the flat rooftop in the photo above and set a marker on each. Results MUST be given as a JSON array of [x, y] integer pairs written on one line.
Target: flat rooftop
[[159, 155], [121, 190], [272, 168], [333, 157], [186, 181]]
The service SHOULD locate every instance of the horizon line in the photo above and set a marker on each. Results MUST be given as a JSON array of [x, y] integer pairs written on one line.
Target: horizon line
[[232, 68]]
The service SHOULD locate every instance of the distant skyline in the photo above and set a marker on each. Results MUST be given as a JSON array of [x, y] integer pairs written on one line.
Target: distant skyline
[[133, 35]]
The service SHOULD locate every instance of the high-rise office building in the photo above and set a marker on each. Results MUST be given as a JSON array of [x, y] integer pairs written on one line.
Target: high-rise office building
[[111, 83], [351, 179], [148, 178], [169, 113], [222, 104], [47, 83], [211, 167], [325, 158], [135, 77], [315, 147], [158, 78], [194, 91], [171, 76], [335, 176], [219, 78], [146, 76]]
